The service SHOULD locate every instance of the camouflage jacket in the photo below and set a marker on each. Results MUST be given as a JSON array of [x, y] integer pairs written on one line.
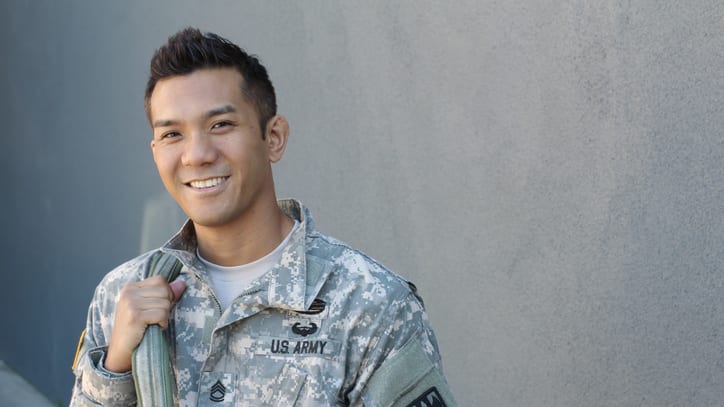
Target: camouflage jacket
[[327, 326]]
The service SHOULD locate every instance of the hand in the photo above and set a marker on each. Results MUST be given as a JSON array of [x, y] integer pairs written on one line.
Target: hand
[[140, 304]]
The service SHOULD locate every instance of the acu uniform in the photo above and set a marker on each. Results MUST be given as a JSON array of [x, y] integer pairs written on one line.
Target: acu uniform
[[327, 326]]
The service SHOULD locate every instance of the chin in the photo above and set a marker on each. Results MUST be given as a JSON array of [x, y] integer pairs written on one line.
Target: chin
[[208, 222], [211, 219]]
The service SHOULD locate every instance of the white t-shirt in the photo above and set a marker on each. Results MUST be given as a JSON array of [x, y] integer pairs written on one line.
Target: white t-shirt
[[229, 282]]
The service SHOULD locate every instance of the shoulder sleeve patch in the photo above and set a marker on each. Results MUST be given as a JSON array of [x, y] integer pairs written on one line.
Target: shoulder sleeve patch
[[408, 379], [77, 350]]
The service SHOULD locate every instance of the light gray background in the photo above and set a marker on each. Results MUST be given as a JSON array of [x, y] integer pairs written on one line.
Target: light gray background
[[549, 173]]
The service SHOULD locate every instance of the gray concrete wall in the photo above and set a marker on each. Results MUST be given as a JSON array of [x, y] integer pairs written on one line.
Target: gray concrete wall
[[549, 173]]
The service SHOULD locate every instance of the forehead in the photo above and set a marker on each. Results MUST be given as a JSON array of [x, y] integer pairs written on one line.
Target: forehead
[[183, 96]]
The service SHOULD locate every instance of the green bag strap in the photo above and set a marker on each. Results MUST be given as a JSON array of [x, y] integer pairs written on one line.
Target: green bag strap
[[151, 364]]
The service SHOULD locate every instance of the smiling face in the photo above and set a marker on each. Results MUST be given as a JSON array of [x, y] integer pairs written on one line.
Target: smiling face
[[208, 147]]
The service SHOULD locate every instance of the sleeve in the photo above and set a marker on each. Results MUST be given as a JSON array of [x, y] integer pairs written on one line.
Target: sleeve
[[406, 367], [408, 378], [94, 385]]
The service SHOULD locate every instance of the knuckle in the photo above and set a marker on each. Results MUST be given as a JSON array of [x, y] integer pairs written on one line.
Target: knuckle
[[158, 316], [134, 314], [125, 292]]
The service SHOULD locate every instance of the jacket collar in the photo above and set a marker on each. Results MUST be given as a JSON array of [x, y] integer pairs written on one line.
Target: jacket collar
[[293, 283]]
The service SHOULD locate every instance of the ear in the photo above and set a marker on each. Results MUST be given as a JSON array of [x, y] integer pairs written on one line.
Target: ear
[[277, 134], [153, 148]]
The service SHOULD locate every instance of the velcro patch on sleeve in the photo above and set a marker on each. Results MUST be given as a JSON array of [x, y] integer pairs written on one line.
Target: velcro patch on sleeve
[[408, 379]]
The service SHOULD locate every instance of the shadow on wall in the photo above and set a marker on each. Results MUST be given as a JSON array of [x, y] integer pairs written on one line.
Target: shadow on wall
[[162, 217], [16, 391]]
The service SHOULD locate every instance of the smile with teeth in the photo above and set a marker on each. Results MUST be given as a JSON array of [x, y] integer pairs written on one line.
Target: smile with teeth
[[207, 183]]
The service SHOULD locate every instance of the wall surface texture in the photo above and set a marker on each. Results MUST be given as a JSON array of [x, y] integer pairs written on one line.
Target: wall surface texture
[[549, 173]]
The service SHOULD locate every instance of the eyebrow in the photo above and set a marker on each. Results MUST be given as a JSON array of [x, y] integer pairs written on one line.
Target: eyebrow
[[211, 113]]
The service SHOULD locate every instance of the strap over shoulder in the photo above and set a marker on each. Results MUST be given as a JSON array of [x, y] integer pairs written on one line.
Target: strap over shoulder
[[151, 363]]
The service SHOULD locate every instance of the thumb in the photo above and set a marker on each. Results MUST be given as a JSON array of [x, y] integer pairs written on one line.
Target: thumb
[[177, 288]]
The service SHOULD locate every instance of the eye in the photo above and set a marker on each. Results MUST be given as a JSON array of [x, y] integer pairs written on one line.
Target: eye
[[170, 134], [221, 124]]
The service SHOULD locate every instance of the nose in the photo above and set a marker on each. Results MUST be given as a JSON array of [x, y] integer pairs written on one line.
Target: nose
[[199, 150]]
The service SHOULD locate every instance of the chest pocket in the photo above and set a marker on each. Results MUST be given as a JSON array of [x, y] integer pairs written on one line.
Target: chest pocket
[[273, 385]]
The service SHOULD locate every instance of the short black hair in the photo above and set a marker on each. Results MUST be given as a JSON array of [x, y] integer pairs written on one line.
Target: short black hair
[[190, 50]]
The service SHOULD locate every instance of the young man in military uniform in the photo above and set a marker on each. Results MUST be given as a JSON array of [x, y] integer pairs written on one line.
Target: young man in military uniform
[[266, 310]]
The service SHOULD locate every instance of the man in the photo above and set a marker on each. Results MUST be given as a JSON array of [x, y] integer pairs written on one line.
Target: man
[[266, 310]]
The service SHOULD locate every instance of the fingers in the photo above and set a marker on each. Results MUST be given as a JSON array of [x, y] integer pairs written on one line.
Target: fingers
[[140, 304], [155, 316], [157, 287], [149, 301], [177, 288], [152, 287]]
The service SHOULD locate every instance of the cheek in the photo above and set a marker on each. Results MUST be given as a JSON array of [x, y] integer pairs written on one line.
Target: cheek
[[164, 164]]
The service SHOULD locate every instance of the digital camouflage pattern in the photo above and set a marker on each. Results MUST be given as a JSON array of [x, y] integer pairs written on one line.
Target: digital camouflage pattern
[[328, 326]]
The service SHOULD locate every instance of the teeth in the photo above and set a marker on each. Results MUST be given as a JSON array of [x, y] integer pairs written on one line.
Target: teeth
[[207, 183]]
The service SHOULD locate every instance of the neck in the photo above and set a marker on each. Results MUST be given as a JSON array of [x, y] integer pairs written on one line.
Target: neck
[[250, 238]]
